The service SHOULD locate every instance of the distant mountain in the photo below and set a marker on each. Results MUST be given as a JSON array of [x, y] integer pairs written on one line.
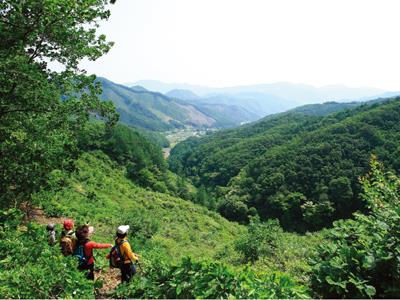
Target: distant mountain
[[138, 88], [141, 108], [149, 110], [158, 86], [259, 103], [182, 94], [383, 95], [228, 112], [296, 92], [229, 115], [265, 99], [305, 94]]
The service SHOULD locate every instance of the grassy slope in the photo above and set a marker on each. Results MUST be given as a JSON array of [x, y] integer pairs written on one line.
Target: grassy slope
[[183, 227]]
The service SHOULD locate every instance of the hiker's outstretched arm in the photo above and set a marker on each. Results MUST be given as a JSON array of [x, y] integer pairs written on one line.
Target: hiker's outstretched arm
[[95, 245]]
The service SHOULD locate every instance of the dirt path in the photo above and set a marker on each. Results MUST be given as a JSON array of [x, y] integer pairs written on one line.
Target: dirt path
[[38, 216], [110, 277]]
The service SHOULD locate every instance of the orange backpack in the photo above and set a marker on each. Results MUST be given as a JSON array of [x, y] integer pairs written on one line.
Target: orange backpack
[[68, 244]]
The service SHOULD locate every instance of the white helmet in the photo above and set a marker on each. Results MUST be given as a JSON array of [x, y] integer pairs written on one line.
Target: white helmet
[[123, 229]]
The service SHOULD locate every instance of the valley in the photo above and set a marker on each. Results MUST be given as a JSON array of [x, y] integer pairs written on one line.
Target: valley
[[154, 190], [179, 135]]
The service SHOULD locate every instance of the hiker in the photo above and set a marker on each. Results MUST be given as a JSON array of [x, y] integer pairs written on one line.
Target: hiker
[[68, 238], [84, 250], [125, 254], [52, 234]]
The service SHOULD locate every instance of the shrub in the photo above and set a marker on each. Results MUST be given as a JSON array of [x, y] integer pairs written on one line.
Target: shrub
[[202, 280], [53, 209], [143, 226], [362, 259], [260, 240], [234, 209]]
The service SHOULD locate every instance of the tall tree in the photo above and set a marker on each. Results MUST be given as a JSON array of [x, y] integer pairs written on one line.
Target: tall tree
[[41, 110]]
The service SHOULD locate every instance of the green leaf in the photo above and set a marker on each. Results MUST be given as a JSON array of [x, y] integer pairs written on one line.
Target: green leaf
[[370, 290]]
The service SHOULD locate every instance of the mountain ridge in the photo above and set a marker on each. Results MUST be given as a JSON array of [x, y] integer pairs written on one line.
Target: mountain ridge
[[155, 111], [291, 91], [266, 99]]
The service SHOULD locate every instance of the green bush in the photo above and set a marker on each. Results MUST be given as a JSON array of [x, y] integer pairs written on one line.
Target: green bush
[[205, 280], [53, 209], [234, 210], [143, 226], [362, 259], [30, 268], [260, 240]]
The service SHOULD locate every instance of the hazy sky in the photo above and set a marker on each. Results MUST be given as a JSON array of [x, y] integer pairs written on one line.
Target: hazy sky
[[239, 42]]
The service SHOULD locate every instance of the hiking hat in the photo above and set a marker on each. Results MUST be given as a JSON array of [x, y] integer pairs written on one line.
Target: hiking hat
[[123, 229], [68, 224], [91, 229], [50, 226]]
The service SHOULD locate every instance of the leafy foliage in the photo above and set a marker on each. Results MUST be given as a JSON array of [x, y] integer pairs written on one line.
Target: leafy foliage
[[362, 259], [37, 129], [205, 280], [154, 137], [124, 145], [30, 268], [261, 239]]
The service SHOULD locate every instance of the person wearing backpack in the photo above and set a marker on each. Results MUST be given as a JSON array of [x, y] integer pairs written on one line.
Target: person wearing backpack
[[122, 256], [51, 234], [84, 250], [68, 228], [68, 238]]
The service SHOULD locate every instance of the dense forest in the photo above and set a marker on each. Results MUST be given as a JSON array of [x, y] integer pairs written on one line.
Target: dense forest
[[261, 211], [299, 168]]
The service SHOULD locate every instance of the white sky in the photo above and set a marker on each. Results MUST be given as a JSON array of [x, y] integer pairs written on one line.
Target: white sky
[[239, 42]]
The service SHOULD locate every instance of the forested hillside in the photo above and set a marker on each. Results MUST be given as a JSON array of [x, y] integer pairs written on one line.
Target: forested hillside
[[150, 110], [302, 169], [331, 107], [144, 109]]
